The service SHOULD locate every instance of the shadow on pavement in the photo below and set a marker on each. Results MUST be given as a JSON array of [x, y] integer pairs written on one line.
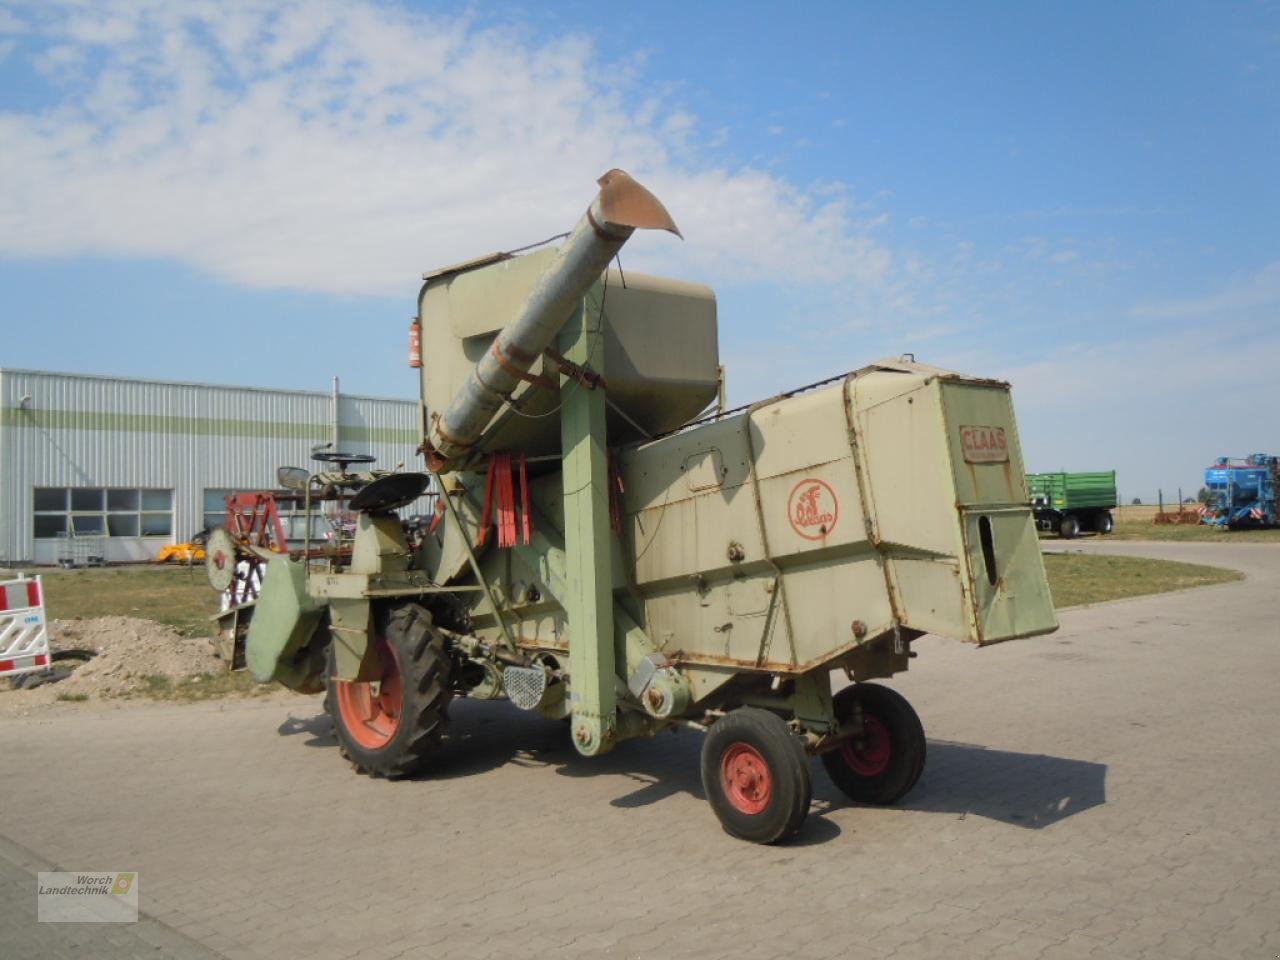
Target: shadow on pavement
[[1023, 789], [318, 727]]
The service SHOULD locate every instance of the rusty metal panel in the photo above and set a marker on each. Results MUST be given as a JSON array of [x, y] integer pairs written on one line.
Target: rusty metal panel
[[861, 506], [983, 443], [905, 463]]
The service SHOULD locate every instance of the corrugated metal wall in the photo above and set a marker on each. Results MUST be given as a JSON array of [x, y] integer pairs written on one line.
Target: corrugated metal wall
[[86, 431]]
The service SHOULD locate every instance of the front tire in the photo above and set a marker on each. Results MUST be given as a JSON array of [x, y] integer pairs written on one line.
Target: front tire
[[393, 728], [756, 776], [1069, 528], [883, 764]]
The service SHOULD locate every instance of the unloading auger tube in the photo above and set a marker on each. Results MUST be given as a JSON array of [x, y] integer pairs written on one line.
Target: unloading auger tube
[[620, 208]]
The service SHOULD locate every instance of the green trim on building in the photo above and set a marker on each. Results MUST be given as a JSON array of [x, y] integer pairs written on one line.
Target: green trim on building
[[195, 426]]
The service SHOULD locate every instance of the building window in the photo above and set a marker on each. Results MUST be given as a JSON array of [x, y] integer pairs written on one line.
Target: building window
[[293, 517], [102, 511], [215, 508]]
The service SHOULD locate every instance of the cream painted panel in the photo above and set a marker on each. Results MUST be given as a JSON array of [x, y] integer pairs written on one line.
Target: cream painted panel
[[908, 473]]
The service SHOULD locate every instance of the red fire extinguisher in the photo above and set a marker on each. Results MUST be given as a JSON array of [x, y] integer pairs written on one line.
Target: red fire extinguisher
[[415, 343]]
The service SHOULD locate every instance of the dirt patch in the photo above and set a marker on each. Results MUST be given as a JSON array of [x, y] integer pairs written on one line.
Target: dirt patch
[[129, 650], [134, 658]]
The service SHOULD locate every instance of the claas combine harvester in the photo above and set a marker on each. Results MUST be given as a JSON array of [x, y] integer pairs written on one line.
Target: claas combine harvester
[[599, 554]]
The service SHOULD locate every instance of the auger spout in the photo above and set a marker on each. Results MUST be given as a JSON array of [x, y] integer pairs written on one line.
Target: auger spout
[[620, 208]]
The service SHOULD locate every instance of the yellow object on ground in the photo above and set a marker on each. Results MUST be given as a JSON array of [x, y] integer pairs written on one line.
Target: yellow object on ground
[[181, 553]]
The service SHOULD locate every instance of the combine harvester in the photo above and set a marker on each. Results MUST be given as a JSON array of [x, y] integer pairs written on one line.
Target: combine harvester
[[1242, 493], [602, 555]]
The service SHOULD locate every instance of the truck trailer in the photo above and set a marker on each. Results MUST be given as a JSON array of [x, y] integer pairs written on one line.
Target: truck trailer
[[1073, 502]]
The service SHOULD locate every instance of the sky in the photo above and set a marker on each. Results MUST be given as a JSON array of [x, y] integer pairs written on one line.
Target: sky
[[1080, 198]]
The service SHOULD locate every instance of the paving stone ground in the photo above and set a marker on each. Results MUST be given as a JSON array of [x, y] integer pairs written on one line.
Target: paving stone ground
[[1110, 791]]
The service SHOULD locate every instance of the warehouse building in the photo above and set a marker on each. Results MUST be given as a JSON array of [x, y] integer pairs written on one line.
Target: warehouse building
[[124, 467]]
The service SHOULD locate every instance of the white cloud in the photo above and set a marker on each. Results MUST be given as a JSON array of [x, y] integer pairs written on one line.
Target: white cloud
[[346, 147], [1156, 409], [10, 22], [1244, 291]]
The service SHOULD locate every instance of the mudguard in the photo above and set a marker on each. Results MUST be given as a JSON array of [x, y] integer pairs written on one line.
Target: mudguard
[[283, 643]]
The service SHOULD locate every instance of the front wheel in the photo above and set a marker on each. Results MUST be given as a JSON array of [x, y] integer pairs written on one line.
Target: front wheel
[[884, 762], [756, 776], [392, 727], [1069, 528]]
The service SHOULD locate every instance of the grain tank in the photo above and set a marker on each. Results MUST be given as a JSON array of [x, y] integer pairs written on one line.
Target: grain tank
[[600, 554]]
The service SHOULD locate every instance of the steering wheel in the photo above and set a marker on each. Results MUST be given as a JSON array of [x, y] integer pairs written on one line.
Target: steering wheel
[[343, 460]]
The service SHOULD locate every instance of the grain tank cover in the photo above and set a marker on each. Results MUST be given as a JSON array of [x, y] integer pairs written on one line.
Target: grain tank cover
[[456, 433], [661, 352]]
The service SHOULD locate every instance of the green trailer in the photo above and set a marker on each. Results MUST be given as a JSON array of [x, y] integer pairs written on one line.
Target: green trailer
[[1072, 502]]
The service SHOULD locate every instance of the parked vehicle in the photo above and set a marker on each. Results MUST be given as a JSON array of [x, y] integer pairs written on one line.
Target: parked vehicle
[[606, 554], [1071, 503], [1242, 492]]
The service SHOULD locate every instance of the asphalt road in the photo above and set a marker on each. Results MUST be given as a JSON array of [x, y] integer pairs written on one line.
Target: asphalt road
[[1111, 790]]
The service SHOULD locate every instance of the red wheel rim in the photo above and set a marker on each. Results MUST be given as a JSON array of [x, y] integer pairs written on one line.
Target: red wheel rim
[[372, 715], [746, 778], [868, 755]]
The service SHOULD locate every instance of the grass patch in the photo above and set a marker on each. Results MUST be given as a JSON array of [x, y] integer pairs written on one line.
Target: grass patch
[[1175, 532], [203, 686], [1193, 533], [156, 684], [1089, 578], [73, 697], [177, 596], [211, 686]]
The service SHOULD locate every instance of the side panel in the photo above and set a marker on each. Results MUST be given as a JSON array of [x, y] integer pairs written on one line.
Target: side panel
[[1003, 573]]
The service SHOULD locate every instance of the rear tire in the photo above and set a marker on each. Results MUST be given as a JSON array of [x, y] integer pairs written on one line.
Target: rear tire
[[1105, 523], [394, 729], [1069, 528], [884, 764], [756, 776]]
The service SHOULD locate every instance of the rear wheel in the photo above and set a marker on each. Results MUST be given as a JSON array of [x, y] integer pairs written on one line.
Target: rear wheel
[[392, 727], [885, 762], [1069, 528], [756, 776], [1105, 523]]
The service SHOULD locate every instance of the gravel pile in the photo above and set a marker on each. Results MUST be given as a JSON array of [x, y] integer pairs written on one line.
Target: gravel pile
[[128, 651]]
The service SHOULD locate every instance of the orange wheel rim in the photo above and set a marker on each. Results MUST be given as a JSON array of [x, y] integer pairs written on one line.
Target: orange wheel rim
[[746, 779], [371, 712]]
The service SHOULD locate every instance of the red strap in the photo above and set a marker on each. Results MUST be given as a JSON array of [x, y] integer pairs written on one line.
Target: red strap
[[526, 510], [511, 506], [439, 517], [500, 503], [506, 502]]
